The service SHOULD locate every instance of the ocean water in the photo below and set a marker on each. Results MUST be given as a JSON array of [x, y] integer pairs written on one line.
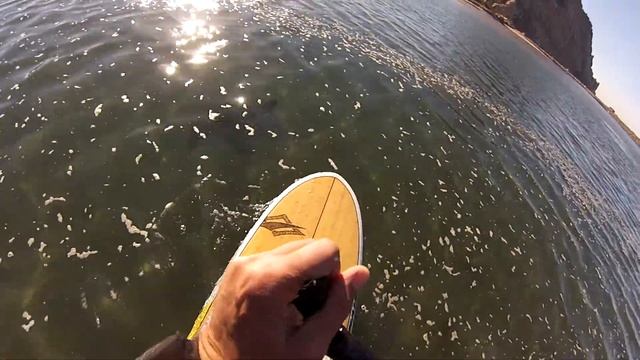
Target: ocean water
[[139, 141]]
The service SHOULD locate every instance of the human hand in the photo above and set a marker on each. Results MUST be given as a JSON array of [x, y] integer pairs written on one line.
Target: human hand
[[253, 317]]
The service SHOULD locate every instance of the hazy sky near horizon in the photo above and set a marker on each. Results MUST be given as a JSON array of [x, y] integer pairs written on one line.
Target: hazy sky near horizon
[[616, 51]]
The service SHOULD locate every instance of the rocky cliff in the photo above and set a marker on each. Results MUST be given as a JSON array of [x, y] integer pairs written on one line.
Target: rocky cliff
[[559, 27]]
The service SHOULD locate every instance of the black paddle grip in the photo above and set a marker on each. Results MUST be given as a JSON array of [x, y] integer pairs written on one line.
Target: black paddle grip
[[311, 298]]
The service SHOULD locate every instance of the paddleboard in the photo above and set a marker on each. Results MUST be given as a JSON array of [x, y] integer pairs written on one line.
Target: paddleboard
[[318, 206]]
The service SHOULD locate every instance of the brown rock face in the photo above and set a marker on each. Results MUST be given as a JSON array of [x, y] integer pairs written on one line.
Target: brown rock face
[[560, 27]]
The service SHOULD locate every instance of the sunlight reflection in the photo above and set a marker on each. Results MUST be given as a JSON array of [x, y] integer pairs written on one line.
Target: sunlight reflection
[[171, 68], [194, 29], [195, 36], [206, 51], [195, 4]]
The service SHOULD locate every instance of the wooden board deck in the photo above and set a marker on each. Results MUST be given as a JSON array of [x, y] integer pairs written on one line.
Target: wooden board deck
[[321, 205]]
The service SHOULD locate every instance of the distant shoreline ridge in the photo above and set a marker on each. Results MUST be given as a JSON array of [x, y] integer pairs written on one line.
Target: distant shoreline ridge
[[519, 34]]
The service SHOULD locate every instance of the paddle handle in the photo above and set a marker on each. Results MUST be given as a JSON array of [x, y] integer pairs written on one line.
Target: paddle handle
[[343, 346]]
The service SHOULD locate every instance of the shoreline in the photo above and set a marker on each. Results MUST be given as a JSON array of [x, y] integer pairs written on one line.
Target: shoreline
[[542, 52]]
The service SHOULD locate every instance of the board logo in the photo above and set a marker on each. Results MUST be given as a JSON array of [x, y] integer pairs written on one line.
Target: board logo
[[281, 225]]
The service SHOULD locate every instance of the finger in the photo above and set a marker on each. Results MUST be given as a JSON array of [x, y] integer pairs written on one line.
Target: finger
[[292, 319], [355, 278], [323, 325], [318, 330], [317, 259], [290, 246]]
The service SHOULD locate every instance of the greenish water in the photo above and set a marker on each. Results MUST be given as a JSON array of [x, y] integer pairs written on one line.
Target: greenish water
[[500, 202]]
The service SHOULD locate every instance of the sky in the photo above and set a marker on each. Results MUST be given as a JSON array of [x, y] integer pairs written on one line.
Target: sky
[[616, 51]]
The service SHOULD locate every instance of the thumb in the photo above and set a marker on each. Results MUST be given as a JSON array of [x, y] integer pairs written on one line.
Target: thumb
[[355, 277], [319, 329]]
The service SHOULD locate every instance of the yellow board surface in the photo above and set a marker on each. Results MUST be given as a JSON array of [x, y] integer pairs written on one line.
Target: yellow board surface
[[318, 206]]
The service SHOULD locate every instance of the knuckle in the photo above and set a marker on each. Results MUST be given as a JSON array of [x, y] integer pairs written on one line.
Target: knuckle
[[242, 262], [331, 246], [236, 265], [255, 276], [242, 270]]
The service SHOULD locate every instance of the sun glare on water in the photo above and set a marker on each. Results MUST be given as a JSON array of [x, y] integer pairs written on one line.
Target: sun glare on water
[[196, 35], [197, 5], [206, 51]]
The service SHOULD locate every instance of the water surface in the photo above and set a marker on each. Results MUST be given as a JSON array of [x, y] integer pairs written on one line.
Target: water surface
[[139, 140]]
